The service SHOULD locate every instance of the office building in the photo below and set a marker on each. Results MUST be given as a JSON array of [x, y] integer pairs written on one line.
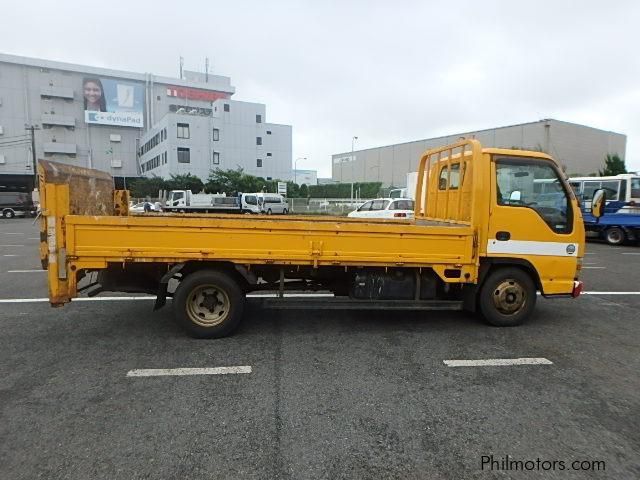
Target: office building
[[101, 118]]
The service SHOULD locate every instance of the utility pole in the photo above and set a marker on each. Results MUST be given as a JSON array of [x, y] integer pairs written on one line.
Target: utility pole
[[352, 145], [32, 129]]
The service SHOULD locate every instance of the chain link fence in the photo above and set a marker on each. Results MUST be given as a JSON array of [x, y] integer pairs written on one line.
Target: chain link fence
[[323, 206]]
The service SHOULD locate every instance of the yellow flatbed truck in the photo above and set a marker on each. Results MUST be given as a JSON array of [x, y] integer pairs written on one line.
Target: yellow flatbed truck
[[492, 228]]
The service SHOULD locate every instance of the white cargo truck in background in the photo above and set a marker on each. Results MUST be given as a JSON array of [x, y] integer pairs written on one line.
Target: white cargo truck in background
[[188, 202], [409, 191]]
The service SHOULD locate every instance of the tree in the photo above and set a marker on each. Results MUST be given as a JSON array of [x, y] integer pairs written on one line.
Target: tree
[[234, 181], [185, 182], [293, 190], [304, 191], [227, 181], [147, 187], [613, 165]]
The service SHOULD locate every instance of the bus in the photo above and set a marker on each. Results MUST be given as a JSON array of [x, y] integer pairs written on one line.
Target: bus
[[622, 192]]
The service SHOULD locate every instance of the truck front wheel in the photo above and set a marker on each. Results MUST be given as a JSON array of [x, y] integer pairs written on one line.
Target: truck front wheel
[[208, 304], [614, 236], [507, 297]]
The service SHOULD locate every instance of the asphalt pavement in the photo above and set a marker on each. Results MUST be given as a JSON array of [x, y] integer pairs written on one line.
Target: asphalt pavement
[[330, 394]]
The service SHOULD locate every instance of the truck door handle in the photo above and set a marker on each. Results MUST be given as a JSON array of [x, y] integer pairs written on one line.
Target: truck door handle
[[503, 236]]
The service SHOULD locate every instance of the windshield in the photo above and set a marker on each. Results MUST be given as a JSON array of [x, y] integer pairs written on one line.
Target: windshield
[[534, 184]]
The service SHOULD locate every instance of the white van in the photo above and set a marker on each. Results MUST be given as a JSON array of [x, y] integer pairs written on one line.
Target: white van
[[268, 203]]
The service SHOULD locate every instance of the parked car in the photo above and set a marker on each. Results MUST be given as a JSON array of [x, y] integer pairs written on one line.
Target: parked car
[[268, 203], [139, 207], [385, 208], [15, 204]]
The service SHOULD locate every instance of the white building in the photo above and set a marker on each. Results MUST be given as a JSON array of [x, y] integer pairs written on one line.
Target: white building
[[228, 135], [305, 177]]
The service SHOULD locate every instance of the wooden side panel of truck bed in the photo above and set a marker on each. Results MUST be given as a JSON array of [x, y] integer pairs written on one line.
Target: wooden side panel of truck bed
[[251, 240]]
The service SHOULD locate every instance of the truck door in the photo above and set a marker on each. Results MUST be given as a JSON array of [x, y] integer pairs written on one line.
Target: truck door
[[531, 212]]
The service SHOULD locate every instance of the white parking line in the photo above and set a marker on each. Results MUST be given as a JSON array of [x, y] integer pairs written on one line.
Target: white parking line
[[151, 297], [161, 372], [8, 255], [11, 245], [610, 293], [497, 362], [584, 268], [630, 253], [27, 271], [80, 299], [33, 238]]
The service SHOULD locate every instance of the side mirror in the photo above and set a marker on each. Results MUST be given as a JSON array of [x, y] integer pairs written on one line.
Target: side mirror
[[598, 203], [515, 196]]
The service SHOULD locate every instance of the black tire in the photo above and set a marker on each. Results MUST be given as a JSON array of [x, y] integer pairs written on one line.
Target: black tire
[[8, 214], [614, 236], [285, 211], [507, 297], [221, 316], [269, 212]]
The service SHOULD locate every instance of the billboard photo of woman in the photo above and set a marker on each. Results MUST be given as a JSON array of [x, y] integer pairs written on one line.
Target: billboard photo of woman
[[93, 92]]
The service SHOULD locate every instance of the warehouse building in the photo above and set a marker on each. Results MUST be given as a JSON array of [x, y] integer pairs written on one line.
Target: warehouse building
[[580, 149], [102, 118]]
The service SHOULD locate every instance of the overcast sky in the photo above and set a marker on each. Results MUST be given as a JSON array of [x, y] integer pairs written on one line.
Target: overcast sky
[[387, 72]]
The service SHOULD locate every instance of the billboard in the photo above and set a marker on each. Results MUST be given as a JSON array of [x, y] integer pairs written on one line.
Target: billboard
[[195, 94], [113, 102]]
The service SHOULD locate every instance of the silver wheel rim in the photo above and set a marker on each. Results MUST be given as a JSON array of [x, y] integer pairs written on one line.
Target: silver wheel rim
[[614, 236], [208, 305], [509, 297]]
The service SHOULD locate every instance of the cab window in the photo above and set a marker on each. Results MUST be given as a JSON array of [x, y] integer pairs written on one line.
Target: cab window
[[516, 180], [453, 177], [635, 188], [611, 189]]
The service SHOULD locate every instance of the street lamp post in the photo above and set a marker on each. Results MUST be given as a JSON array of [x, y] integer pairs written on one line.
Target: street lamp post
[[353, 141], [295, 169]]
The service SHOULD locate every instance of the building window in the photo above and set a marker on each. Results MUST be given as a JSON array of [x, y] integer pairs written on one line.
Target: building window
[[258, 118], [226, 107], [216, 158], [259, 162], [184, 155], [158, 98], [268, 154], [216, 134], [258, 140], [183, 130], [165, 133], [268, 132]]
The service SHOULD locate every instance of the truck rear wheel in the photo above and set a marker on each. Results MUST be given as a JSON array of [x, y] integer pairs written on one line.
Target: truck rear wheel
[[507, 297], [208, 304]]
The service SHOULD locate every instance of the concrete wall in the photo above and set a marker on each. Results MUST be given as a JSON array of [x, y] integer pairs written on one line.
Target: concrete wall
[[580, 149]]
